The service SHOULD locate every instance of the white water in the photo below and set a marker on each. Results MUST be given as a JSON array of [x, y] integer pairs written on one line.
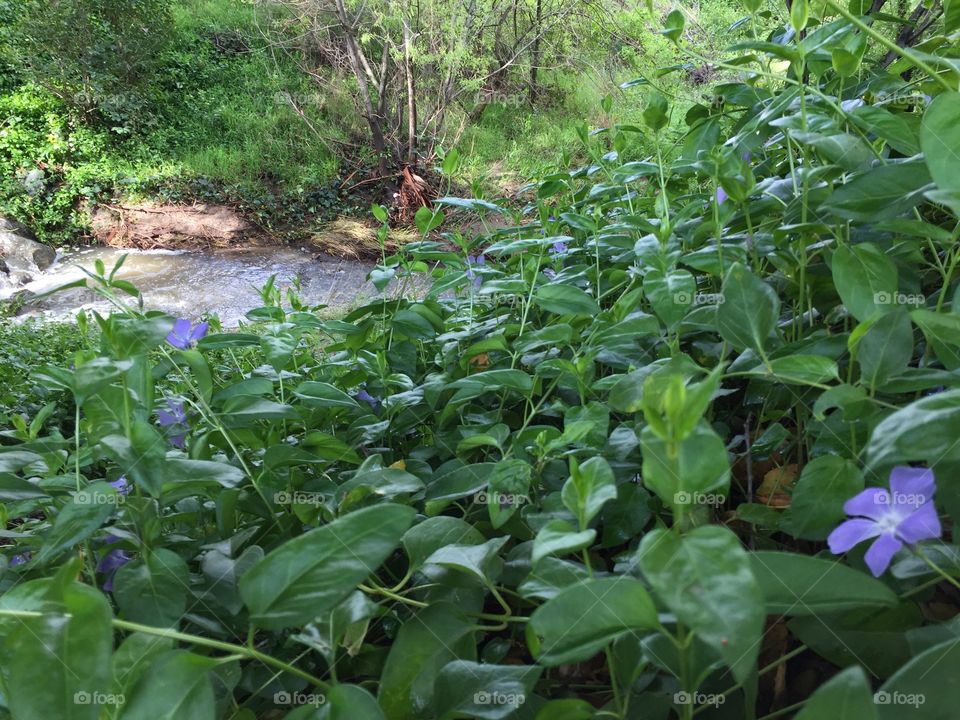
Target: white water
[[190, 284]]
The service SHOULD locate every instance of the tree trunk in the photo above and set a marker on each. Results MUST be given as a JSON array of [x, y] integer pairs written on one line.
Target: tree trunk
[[357, 65], [535, 54], [411, 94]]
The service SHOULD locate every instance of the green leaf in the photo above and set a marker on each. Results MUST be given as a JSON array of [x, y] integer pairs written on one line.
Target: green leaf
[[314, 572], [656, 113], [62, 659], [428, 220], [705, 578], [429, 535], [940, 140], [816, 506], [153, 590], [176, 686], [670, 294], [565, 300], [321, 394], [479, 561], [845, 696], [588, 488], [924, 430], [483, 691], [558, 537], [698, 466], [79, 519], [141, 455], [583, 619], [942, 331], [345, 702], [928, 683], [799, 14], [885, 349], [426, 642], [797, 585], [749, 311], [799, 369], [15, 489], [673, 27], [881, 193], [507, 490], [864, 275], [892, 128]]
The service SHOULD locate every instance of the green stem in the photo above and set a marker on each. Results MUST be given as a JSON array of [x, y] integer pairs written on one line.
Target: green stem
[[936, 568], [232, 648]]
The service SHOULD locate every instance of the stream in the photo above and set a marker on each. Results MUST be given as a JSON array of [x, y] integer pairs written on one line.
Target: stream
[[191, 284]]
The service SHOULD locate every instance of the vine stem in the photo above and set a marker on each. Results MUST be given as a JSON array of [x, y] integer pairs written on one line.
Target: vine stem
[[936, 568], [232, 648]]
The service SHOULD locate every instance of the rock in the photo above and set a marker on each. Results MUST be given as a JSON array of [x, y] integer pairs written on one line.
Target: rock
[[3, 267], [19, 248]]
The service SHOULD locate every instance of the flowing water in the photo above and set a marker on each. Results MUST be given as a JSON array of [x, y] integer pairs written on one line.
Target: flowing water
[[189, 284]]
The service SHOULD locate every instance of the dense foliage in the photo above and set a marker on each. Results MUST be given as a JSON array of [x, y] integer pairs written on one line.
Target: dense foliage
[[583, 465]]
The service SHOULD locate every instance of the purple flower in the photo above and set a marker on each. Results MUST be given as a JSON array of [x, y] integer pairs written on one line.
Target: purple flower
[[174, 418], [721, 196], [111, 562], [550, 273], [367, 397], [746, 156], [559, 249], [184, 335], [21, 559], [904, 514], [122, 485], [475, 261]]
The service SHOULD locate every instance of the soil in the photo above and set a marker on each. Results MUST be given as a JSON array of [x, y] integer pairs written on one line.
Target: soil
[[149, 226]]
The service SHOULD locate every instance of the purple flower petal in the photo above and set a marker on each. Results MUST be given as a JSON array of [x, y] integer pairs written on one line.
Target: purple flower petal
[[721, 196], [173, 415], [122, 485], [199, 332], [20, 559], [113, 560], [873, 503], [179, 337], [880, 554], [850, 533], [922, 524], [911, 487]]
